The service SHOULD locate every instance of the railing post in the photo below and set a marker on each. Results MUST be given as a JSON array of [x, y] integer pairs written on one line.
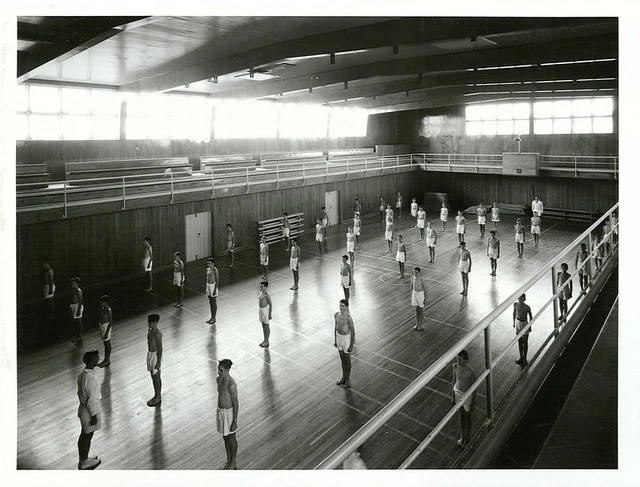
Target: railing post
[[424, 161], [64, 211], [575, 166], [475, 157], [382, 167], [171, 201], [326, 172], [347, 168], [489, 379], [124, 195], [366, 166], [277, 176], [592, 261], [303, 173], [615, 168], [212, 187], [449, 161], [247, 181], [397, 163], [554, 289]]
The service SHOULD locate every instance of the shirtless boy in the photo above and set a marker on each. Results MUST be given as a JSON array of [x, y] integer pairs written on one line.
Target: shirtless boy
[[286, 230], [399, 204], [211, 289], [344, 339], [388, 233], [401, 255], [535, 228], [231, 243], [154, 358], [461, 226], [227, 413], [346, 275], [357, 226], [567, 291], [76, 307], [493, 251], [583, 274], [463, 378], [420, 220], [264, 257], [147, 262], [444, 216], [294, 263], [418, 296], [178, 278], [351, 245], [105, 323], [521, 316], [432, 239], [264, 312], [414, 208], [518, 228], [319, 237], [495, 215], [464, 265], [481, 211]]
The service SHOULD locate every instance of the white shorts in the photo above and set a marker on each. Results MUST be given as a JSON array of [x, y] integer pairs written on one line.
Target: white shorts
[[420, 223], [224, 418], [177, 279], [495, 218], [351, 246], [460, 229], [381, 208], [343, 342], [293, 264], [85, 420], [211, 287], [519, 238], [463, 265], [467, 404], [388, 235], [535, 229], [398, 204], [325, 222], [152, 362], [264, 260], [492, 253], [443, 218], [401, 256], [356, 231], [417, 299], [146, 261], [319, 237], [286, 232], [344, 281], [482, 220], [74, 310], [105, 331], [263, 315], [414, 213], [45, 291], [520, 325], [431, 242]]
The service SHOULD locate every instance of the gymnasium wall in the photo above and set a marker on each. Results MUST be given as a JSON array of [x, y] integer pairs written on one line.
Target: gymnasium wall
[[108, 246], [442, 130]]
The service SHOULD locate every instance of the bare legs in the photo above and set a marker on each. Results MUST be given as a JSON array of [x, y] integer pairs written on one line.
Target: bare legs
[[213, 306], [419, 314], [345, 362], [231, 447], [157, 390], [266, 333]]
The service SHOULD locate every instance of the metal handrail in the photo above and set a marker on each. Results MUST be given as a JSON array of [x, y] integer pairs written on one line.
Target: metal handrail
[[379, 420]]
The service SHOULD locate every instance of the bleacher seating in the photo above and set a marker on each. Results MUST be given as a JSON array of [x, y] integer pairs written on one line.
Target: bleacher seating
[[107, 172], [31, 176], [272, 228], [226, 163], [346, 153], [571, 215]]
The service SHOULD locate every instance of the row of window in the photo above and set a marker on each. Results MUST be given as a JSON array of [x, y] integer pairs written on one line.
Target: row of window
[[49, 113], [567, 116]]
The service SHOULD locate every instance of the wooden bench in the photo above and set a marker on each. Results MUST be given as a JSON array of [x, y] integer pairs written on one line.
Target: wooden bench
[[107, 172], [572, 215], [31, 176], [346, 153], [272, 228], [280, 157], [217, 164]]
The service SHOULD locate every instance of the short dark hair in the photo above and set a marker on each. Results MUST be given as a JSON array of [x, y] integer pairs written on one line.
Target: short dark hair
[[46, 259], [229, 225], [264, 283], [225, 363], [492, 231], [148, 239], [463, 243], [177, 254], [463, 354], [417, 269], [75, 279], [210, 259], [345, 257], [105, 298], [345, 302], [88, 356], [153, 318]]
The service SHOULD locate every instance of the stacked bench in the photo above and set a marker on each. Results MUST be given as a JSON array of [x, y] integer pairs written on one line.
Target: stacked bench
[[31, 176], [109, 172], [225, 164], [572, 215], [272, 228]]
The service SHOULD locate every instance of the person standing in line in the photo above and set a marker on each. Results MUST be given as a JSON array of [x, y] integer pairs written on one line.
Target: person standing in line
[[211, 289], [464, 265], [536, 206], [432, 239], [521, 316], [231, 244], [567, 291], [344, 340], [227, 413], [320, 237], [286, 231], [89, 410], [597, 250], [444, 216], [463, 378], [481, 211], [381, 207], [354, 461], [346, 275], [357, 207], [356, 228], [606, 239], [105, 323], [519, 236], [461, 226], [76, 307], [399, 204], [401, 255], [535, 228], [420, 221], [48, 288], [325, 224], [614, 227], [584, 272], [414, 210], [324, 217], [389, 211], [495, 215], [178, 277], [493, 251], [351, 245], [264, 257], [147, 262], [154, 358], [418, 296], [294, 263], [264, 312], [388, 233]]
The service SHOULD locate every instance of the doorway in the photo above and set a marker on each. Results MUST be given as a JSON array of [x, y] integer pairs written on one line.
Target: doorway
[[331, 204], [198, 235]]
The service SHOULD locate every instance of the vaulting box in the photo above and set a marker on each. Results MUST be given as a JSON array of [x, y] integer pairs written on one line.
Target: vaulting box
[[521, 163]]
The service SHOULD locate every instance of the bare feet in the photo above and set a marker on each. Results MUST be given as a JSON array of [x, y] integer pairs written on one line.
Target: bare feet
[[154, 402]]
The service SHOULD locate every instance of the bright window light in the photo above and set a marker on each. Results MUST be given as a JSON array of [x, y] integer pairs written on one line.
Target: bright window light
[[505, 127], [236, 119], [137, 128], [76, 127], [75, 100], [561, 108], [348, 122], [489, 127], [498, 118], [44, 127], [521, 127], [22, 100], [543, 109], [582, 125], [104, 102], [44, 99], [578, 116], [561, 125], [22, 126], [543, 126], [105, 128], [603, 125], [581, 107], [602, 106], [504, 111], [304, 121], [521, 110], [473, 112]]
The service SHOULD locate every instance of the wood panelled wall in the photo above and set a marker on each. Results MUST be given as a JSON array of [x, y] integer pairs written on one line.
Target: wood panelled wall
[[56, 152], [108, 246], [465, 190], [442, 130]]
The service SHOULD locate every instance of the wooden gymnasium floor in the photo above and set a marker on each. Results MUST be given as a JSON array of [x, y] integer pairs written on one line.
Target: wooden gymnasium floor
[[292, 415]]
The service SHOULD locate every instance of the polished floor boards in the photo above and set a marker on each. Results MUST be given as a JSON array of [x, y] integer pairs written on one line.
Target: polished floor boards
[[292, 415]]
